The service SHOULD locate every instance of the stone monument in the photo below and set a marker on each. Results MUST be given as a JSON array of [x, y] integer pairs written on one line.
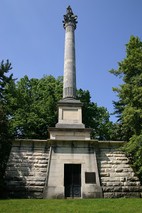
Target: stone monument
[[69, 124], [73, 169], [69, 164]]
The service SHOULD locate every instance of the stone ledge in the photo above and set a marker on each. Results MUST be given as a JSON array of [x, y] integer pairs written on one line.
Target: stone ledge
[[54, 129], [71, 102], [69, 126]]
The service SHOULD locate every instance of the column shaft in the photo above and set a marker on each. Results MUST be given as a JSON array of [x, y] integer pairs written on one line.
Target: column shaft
[[69, 87]]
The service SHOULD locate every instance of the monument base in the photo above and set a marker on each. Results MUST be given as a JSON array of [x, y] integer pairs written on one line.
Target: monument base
[[70, 114], [69, 133]]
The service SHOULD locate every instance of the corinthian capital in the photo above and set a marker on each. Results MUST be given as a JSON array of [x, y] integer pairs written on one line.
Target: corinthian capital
[[70, 18]]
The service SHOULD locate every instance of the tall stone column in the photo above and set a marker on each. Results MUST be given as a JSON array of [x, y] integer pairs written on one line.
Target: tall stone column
[[69, 86], [69, 108]]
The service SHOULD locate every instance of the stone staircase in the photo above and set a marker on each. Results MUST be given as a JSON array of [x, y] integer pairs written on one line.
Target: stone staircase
[[116, 175], [27, 169]]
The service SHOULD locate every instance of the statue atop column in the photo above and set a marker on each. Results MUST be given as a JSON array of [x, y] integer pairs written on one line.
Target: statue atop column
[[70, 17]]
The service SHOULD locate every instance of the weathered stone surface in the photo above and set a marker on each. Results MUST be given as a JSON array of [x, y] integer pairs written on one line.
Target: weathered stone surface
[[105, 175], [121, 194], [119, 170], [117, 176], [26, 171]]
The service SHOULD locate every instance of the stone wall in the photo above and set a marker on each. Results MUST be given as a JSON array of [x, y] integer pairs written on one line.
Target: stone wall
[[27, 169], [116, 175]]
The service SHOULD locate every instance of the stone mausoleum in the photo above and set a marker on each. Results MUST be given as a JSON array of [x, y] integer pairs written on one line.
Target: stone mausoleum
[[70, 164]]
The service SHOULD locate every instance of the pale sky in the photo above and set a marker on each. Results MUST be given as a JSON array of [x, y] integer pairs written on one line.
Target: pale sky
[[32, 38]]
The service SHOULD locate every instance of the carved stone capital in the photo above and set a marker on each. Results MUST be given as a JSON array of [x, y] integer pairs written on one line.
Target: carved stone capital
[[69, 17]]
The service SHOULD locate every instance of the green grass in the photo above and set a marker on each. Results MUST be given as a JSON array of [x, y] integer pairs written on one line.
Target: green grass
[[71, 206]]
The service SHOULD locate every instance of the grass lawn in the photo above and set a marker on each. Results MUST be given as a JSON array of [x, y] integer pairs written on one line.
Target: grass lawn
[[71, 206]]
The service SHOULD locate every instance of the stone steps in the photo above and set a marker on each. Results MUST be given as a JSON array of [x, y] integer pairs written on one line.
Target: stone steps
[[27, 167], [116, 175]]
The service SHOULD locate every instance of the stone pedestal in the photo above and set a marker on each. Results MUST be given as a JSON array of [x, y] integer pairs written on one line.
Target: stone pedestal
[[69, 126], [69, 133], [70, 114]]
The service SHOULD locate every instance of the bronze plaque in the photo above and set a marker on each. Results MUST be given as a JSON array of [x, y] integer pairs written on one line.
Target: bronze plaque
[[90, 177]]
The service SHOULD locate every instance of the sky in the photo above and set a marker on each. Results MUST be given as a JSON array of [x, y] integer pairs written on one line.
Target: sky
[[32, 38]]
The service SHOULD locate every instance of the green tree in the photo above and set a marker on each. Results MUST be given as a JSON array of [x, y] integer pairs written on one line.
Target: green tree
[[5, 67], [95, 117], [35, 106], [129, 105], [5, 137]]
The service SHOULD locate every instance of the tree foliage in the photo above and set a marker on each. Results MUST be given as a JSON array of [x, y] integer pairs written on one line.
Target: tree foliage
[[35, 106], [129, 105], [5, 67], [95, 117], [5, 137]]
